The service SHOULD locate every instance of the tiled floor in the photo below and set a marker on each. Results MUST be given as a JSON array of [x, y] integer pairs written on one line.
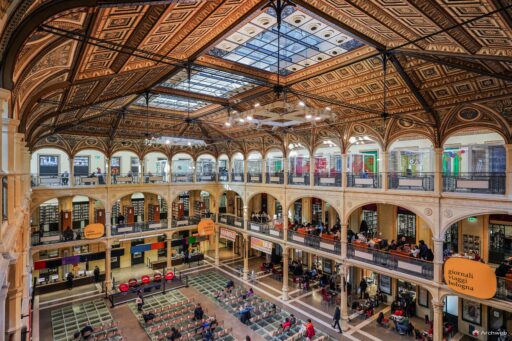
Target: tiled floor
[[210, 282]]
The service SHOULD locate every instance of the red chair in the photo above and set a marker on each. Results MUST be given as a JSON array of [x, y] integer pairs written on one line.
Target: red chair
[[123, 287], [169, 276], [157, 277], [145, 279], [133, 282]]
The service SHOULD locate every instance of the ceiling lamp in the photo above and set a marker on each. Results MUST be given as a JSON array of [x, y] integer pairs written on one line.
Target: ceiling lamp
[[176, 141]]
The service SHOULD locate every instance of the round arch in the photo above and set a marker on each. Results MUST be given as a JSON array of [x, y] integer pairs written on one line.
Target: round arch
[[38, 202], [119, 195], [486, 129], [408, 207], [398, 137], [222, 192], [330, 201], [483, 211]]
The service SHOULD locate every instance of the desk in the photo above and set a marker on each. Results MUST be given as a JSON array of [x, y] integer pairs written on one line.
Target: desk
[[62, 284]]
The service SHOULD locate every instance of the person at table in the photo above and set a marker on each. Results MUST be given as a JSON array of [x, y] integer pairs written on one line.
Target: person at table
[[363, 228], [402, 326], [69, 280], [68, 234], [423, 249], [429, 256], [230, 285], [415, 251], [245, 313], [393, 245], [198, 312], [401, 242], [285, 326], [65, 178], [503, 269]]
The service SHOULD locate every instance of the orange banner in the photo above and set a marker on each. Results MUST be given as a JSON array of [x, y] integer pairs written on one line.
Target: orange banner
[[470, 277], [93, 231], [206, 227]]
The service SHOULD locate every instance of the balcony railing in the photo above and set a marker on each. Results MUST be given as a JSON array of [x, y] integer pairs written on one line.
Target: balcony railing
[[56, 180], [231, 220], [223, 177], [254, 178], [413, 182], [154, 179], [405, 264], [128, 178], [208, 177], [185, 221], [237, 177], [183, 177], [298, 179], [364, 180], [328, 180], [488, 183], [53, 237], [138, 227], [325, 244], [275, 178], [504, 291], [265, 228]]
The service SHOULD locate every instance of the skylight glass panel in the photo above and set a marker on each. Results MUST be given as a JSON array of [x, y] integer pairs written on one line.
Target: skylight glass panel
[[211, 82], [304, 41], [172, 102]]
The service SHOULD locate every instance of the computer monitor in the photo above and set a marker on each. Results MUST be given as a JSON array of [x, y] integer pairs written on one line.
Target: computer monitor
[[55, 278], [41, 280]]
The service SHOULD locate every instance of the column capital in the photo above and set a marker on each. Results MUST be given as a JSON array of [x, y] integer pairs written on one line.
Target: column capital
[[437, 240], [437, 306]]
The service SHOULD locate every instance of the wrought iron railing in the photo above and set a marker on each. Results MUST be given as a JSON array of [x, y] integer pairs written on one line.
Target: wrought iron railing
[[265, 228], [138, 227], [275, 178], [324, 244], [328, 180], [475, 182], [413, 182], [364, 180], [298, 179]]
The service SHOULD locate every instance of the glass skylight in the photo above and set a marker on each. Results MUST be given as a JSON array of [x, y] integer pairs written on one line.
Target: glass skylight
[[172, 102], [304, 41], [211, 82]]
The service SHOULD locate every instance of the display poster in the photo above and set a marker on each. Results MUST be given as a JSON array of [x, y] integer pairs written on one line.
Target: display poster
[[261, 245]]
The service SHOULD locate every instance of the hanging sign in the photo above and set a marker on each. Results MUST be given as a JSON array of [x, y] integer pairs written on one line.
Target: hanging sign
[[93, 231], [206, 227], [261, 245], [470, 277], [228, 234]]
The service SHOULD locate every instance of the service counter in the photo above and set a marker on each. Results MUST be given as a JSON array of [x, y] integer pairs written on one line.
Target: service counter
[[60, 284]]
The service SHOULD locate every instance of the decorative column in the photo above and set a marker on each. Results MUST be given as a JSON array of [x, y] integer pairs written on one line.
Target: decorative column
[[285, 226], [384, 158], [108, 171], [344, 298], [108, 266], [285, 273], [246, 218], [343, 241], [14, 297], [168, 240], [508, 170], [344, 167], [311, 171], [194, 177], [217, 237], [438, 170], [246, 169], [3, 298], [263, 171], [438, 320], [438, 259], [72, 172], [108, 224], [141, 171], [285, 170], [247, 246]]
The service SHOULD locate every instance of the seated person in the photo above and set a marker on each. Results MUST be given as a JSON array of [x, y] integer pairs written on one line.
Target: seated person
[[382, 321], [285, 326], [148, 317], [293, 320], [399, 312], [402, 327], [174, 334], [86, 331], [248, 294], [220, 295], [230, 285], [245, 313], [415, 251], [198, 312]]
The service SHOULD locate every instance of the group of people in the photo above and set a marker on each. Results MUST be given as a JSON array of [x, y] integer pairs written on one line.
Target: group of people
[[84, 334], [261, 217], [318, 229]]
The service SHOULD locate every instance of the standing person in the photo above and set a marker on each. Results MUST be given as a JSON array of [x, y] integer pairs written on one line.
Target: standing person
[[362, 286], [198, 312], [96, 274], [310, 330], [336, 319], [69, 280], [139, 301]]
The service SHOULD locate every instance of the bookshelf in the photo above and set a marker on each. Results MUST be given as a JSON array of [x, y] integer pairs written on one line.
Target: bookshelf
[[49, 217], [80, 214], [138, 209], [370, 217], [407, 226]]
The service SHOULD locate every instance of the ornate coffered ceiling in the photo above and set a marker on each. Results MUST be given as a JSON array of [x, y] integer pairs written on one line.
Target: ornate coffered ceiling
[[80, 67]]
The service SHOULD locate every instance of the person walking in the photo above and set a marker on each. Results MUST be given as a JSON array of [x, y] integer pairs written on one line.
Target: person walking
[[96, 274], [362, 287], [310, 330], [336, 318]]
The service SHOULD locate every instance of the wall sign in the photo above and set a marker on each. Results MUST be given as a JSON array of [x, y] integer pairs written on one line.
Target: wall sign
[[93, 231], [206, 227], [228, 234], [470, 277], [261, 245]]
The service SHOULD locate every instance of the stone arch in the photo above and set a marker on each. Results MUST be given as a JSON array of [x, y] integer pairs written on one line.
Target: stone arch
[[41, 200], [476, 211], [411, 207], [331, 201], [121, 194]]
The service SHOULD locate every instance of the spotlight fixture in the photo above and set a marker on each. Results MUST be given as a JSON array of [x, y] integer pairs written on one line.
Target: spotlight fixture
[[302, 104], [328, 108], [256, 104], [249, 117], [227, 124], [308, 116], [317, 118]]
